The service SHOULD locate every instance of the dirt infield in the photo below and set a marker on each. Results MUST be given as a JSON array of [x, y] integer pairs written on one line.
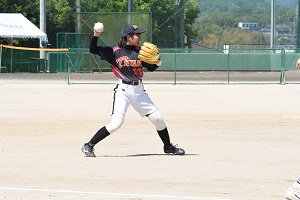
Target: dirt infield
[[242, 142]]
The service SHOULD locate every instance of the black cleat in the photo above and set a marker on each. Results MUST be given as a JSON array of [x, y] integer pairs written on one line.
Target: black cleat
[[174, 150], [88, 150]]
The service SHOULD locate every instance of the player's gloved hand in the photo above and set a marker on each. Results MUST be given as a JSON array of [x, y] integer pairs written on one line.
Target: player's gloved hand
[[149, 53]]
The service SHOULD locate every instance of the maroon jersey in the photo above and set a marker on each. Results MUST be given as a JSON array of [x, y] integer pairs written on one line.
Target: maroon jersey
[[123, 59]]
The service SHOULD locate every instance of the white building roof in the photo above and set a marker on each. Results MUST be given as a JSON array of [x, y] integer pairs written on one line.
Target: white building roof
[[15, 25]]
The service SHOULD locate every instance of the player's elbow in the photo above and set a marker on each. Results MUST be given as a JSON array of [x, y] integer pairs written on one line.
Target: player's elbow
[[93, 51]]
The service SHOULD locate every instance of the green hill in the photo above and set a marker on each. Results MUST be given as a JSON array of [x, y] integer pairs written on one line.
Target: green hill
[[225, 6], [218, 21], [287, 3]]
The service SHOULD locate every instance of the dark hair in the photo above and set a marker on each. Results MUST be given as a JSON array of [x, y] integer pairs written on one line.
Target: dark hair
[[120, 43], [124, 39]]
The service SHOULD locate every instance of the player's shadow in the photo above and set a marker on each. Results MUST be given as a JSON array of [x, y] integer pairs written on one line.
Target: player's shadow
[[156, 154], [146, 154]]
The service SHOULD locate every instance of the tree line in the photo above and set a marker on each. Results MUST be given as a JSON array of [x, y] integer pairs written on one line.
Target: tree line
[[210, 23], [217, 24], [60, 15]]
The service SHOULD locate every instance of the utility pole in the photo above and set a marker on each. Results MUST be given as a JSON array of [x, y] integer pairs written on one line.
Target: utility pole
[[181, 6], [43, 41], [78, 16], [298, 26], [130, 5], [43, 15], [273, 24], [130, 10]]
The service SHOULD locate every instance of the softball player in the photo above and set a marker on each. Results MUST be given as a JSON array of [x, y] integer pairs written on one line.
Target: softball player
[[298, 64], [129, 89], [293, 192]]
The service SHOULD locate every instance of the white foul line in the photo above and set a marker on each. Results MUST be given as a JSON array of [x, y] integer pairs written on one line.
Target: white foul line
[[108, 193]]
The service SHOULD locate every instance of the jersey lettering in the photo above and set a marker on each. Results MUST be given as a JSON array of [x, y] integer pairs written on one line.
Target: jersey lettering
[[137, 71], [125, 62]]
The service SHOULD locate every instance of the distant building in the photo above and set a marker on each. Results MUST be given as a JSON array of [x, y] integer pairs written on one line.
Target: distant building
[[281, 31], [251, 26]]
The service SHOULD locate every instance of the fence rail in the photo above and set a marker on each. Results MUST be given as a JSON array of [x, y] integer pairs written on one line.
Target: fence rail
[[236, 65]]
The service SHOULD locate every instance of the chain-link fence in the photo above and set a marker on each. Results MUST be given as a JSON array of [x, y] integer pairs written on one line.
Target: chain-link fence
[[186, 66], [113, 23], [196, 66]]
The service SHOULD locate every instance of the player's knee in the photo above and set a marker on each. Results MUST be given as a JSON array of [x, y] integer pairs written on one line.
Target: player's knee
[[116, 122], [157, 119]]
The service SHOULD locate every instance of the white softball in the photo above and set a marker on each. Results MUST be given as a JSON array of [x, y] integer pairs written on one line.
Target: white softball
[[99, 27]]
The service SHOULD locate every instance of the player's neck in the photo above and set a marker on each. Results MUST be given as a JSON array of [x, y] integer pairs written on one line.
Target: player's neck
[[129, 46]]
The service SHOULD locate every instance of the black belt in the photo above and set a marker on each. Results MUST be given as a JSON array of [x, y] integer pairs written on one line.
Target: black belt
[[137, 82]]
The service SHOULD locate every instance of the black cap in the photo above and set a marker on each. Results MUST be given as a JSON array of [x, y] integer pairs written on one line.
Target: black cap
[[131, 28]]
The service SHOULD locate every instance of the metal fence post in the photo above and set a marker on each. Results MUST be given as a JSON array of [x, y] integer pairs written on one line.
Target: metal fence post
[[282, 67], [68, 69], [228, 67], [175, 78], [0, 57]]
